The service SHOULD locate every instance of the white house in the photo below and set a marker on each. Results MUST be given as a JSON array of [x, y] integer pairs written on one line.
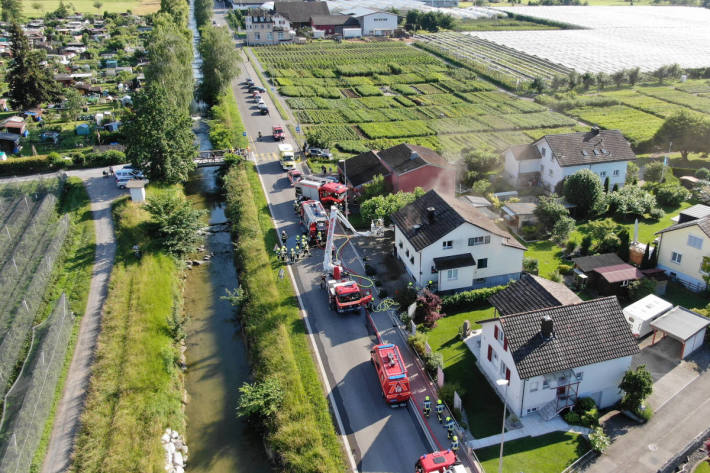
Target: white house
[[446, 241], [378, 23], [682, 249], [550, 159], [267, 27], [554, 356]]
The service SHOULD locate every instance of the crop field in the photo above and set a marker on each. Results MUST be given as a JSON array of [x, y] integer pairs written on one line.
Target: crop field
[[390, 92], [636, 125]]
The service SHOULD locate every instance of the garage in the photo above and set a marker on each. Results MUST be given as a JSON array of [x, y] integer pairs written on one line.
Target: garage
[[684, 326]]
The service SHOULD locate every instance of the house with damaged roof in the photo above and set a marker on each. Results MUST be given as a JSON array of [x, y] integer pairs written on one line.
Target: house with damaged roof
[[547, 161], [441, 239], [553, 356]]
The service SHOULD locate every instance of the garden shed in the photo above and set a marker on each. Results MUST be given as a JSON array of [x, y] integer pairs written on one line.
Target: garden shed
[[615, 279], [683, 325], [10, 143], [83, 129], [519, 214]]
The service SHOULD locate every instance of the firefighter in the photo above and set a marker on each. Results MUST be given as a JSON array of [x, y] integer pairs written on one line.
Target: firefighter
[[427, 406], [284, 236], [319, 237], [306, 247], [439, 410], [293, 255], [429, 284], [455, 444], [284, 253], [449, 427]]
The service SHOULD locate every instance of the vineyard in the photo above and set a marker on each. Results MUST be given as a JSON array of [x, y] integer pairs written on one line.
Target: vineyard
[[31, 239], [390, 92]]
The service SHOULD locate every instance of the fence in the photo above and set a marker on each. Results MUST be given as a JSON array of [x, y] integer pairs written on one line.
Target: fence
[[29, 401]]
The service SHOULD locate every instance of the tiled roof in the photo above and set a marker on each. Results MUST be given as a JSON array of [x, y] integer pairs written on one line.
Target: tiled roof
[[362, 168], [525, 152], [521, 208], [619, 272], [583, 334], [413, 221], [702, 223], [405, 157], [532, 293], [454, 261], [301, 12], [333, 20], [589, 263], [574, 149]]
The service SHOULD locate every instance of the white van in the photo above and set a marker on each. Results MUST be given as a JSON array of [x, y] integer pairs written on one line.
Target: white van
[[641, 313]]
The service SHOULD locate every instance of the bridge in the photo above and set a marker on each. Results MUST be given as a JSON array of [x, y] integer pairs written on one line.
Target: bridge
[[215, 157]]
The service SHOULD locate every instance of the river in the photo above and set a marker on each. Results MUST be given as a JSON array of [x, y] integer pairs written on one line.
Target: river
[[216, 354]]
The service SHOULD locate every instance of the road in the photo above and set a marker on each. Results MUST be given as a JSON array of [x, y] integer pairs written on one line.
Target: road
[[381, 439]]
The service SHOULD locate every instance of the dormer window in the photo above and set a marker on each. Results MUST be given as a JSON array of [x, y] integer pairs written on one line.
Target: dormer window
[[596, 152], [605, 151], [585, 152]]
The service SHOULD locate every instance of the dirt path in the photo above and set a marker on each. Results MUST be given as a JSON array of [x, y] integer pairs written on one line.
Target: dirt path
[[102, 191]]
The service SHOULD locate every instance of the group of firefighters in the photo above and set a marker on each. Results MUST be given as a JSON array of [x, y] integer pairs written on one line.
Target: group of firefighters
[[448, 422], [302, 248]]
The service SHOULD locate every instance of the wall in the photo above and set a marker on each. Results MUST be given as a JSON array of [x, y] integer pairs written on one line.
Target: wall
[[427, 177], [691, 259], [378, 21], [693, 343], [491, 369], [405, 252]]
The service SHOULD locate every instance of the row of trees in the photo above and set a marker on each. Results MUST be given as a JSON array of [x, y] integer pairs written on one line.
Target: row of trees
[[430, 21]]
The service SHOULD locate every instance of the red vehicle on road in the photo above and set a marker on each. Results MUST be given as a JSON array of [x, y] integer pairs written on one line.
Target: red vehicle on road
[[313, 218], [294, 176], [278, 133], [328, 192], [392, 374], [439, 462]]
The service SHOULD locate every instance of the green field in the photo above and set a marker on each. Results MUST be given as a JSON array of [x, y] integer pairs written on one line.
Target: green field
[[138, 7]]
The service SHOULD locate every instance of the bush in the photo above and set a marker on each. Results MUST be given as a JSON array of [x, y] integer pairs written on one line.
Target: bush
[[656, 213], [433, 361], [528, 231], [446, 393], [418, 343], [672, 196], [599, 440], [630, 201], [586, 245], [584, 404], [556, 276], [703, 173], [468, 299], [565, 269], [653, 172], [176, 223], [570, 247], [531, 265], [572, 418], [590, 418]]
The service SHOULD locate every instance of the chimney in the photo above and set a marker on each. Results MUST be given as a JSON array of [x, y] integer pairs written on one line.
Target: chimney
[[595, 130], [413, 155], [546, 327], [431, 214]]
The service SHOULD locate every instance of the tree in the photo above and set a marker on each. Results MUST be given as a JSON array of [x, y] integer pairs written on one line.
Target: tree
[[584, 189], [606, 184], [382, 206], [573, 79], [562, 229], [219, 62], [62, 10], [73, 102], [586, 244], [603, 80], [653, 262], [11, 11], [98, 6], [537, 85], [630, 201], [176, 222], [549, 210], [428, 309], [203, 12], [618, 78], [556, 83], [632, 173], [672, 196], [480, 160], [481, 186], [29, 82], [412, 19], [653, 172], [177, 9], [377, 186], [531, 265], [646, 259], [637, 385], [661, 73], [641, 288], [159, 136], [624, 242], [634, 75], [688, 131], [587, 80], [260, 400]]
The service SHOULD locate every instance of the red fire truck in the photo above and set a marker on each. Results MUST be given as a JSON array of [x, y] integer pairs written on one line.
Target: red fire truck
[[313, 218], [392, 374], [328, 192], [439, 462], [277, 132]]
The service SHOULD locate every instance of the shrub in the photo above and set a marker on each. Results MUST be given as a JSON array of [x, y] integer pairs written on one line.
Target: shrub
[[703, 173], [428, 309], [653, 172], [446, 393], [590, 418], [556, 276], [565, 269], [468, 299], [672, 196], [562, 229], [570, 247], [176, 223], [572, 418], [630, 201], [432, 362], [418, 343], [528, 231], [599, 440], [584, 404], [656, 213], [530, 265], [637, 385]]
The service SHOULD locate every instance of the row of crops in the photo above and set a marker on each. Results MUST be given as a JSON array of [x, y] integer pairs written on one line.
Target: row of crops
[[31, 239], [358, 96]]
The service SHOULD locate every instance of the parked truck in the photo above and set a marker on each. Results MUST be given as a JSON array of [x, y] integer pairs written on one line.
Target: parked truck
[[287, 157], [392, 374]]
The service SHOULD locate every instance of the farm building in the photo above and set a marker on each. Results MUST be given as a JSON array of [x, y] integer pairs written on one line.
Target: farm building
[[682, 325], [605, 152], [378, 23], [443, 240], [404, 167], [532, 292], [554, 356], [682, 249], [299, 13], [333, 24]]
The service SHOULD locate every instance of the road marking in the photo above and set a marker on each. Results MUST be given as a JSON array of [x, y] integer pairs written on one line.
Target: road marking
[[311, 338]]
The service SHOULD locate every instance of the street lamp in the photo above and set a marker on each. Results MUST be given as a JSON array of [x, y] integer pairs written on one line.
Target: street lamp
[[501, 383], [345, 181]]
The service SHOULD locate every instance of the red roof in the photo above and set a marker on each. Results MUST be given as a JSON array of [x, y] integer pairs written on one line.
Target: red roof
[[619, 272], [437, 461], [391, 361]]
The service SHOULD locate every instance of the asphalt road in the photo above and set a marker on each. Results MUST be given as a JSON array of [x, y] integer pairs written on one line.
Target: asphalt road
[[381, 439]]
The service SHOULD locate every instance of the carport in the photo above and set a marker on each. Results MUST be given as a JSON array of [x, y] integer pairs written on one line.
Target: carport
[[683, 325]]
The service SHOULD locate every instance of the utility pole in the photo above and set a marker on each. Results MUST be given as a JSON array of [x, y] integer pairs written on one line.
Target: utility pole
[[345, 179]]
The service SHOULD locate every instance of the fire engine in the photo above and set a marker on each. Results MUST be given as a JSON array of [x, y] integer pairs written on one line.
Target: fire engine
[[278, 133], [344, 294], [392, 374], [313, 218], [439, 462], [328, 192]]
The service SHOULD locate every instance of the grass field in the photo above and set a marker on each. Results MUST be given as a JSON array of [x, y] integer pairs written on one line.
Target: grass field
[[495, 24], [138, 7], [704, 467], [549, 453]]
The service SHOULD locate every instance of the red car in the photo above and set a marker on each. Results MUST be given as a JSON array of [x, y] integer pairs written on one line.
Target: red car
[[294, 175], [278, 133]]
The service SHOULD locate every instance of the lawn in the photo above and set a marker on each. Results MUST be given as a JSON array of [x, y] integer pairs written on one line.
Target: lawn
[[139, 7], [549, 453], [704, 467], [482, 406], [679, 295]]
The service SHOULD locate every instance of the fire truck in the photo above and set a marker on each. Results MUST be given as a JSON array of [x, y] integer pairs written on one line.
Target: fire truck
[[439, 462], [313, 218], [392, 374], [277, 132], [328, 192], [344, 294]]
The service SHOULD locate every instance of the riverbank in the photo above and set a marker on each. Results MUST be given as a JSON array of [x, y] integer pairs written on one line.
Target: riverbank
[[301, 432]]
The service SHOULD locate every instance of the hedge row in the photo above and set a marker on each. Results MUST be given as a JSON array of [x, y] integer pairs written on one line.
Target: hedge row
[[35, 164], [226, 126], [468, 299]]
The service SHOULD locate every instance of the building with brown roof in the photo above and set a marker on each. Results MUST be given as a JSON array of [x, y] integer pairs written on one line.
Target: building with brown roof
[[299, 13], [450, 243], [532, 292], [550, 159], [334, 24]]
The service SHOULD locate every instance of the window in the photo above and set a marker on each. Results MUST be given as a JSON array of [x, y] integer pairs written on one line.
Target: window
[[602, 174], [447, 245], [550, 172], [616, 172], [452, 274], [401, 245], [433, 270], [624, 283], [542, 170], [695, 242], [545, 384], [501, 371], [411, 260], [257, 36], [490, 353], [544, 151], [676, 257], [407, 252], [482, 263], [507, 374], [534, 386], [482, 240], [579, 376]]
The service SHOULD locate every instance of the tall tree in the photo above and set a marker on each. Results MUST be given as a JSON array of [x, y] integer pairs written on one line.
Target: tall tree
[[220, 61], [688, 131], [29, 82], [178, 9], [549, 211], [11, 10], [203, 12], [584, 189], [159, 135]]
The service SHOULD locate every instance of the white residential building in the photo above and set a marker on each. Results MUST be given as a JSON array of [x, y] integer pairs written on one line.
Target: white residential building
[[267, 27], [550, 159], [682, 249], [552, 357], [452, 244]]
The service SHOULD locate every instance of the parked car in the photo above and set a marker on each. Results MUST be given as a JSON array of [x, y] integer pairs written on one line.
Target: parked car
[[249, 81], [255, 88], [263, 109], [319, 153], [294, 175]]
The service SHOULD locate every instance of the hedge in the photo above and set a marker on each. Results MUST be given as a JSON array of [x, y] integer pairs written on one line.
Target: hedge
[[226, 127], [468, 299], [37, 164]]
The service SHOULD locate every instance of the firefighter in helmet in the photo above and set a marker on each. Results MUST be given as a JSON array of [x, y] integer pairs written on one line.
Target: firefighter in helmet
[[455, 444], [284, 236], [293, 255], [439, 410], [449, 427], [427, 406]]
